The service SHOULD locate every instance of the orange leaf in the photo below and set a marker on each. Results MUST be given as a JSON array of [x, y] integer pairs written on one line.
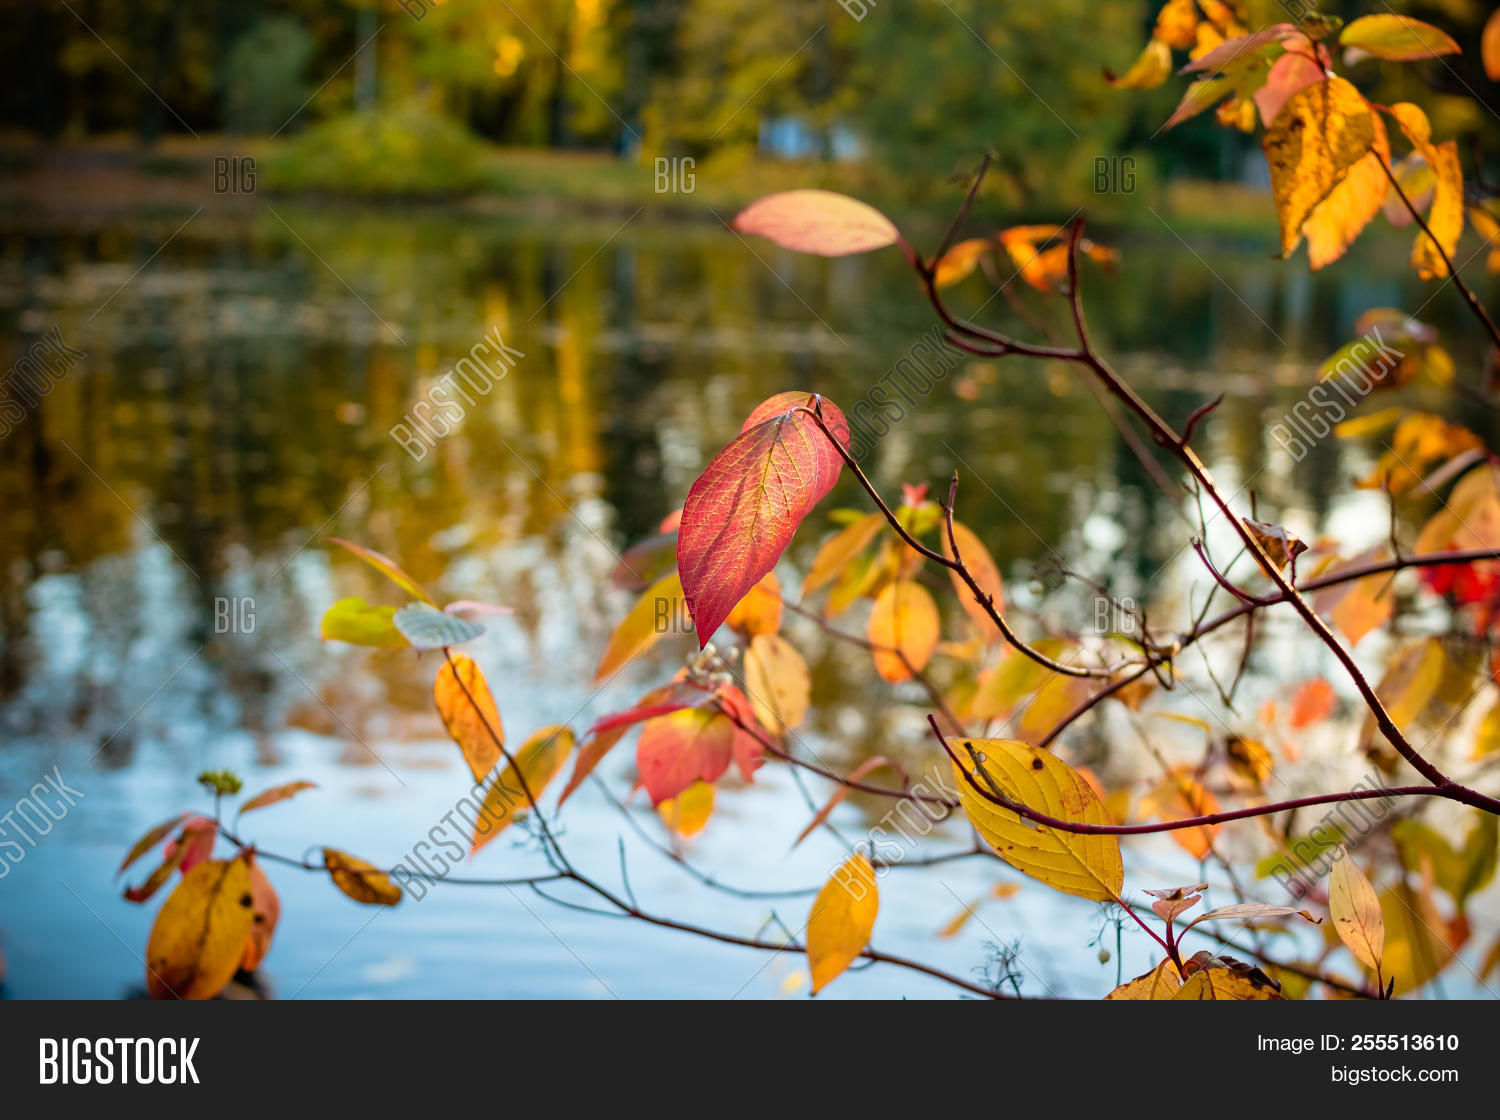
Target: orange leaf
[[741, 513], [985, 571], [457, 681], [759, 612], [1321, 132], [153, 837], [959, 261], [275, 794], [822, 222], [1489, 46], [1313, 702], [267, 912]]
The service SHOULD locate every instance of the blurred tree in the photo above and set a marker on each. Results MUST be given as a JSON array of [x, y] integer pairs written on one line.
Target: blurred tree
[[265, 76]]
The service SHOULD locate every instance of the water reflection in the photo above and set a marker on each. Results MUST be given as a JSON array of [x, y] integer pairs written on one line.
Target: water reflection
[[233, 412]]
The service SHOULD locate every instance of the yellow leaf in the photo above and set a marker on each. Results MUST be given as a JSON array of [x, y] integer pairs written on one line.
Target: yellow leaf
[[904, 623], [776, 682], [983, 568], [842, 918], [661, 609], [1446, 218], [457, 682], [1398, 38], [1336, 221], [361, 881], [1076, 863], [539, 760], [759, 612], [1177, 24], [1150, 69], [1162, 982], [1320, 133], [688, 812], [1224, 983], [200, 933], [1355, 909], [839, 550]]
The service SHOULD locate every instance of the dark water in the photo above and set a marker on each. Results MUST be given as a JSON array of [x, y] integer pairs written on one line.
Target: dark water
[[163, 565]]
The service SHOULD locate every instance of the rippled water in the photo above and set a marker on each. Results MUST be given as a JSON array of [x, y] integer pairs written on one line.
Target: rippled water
[[233, 411]]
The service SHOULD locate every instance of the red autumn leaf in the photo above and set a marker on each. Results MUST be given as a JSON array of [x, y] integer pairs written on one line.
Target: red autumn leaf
[[1314, 701], [741, 513], [746, 748], [686, 746], [822, 222], [601, 738], [196, 841]]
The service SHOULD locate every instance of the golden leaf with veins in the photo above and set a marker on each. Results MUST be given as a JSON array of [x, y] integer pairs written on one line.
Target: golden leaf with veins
[[1162, 982], [1087, 865], [1336, 221], [1321, 132]]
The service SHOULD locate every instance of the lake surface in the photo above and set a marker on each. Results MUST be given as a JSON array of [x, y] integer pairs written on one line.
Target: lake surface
[[164, 514]]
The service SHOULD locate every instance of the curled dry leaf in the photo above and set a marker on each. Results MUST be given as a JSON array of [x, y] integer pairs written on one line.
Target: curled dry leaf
[[841, 921], [1170, 903], [360, 880]]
